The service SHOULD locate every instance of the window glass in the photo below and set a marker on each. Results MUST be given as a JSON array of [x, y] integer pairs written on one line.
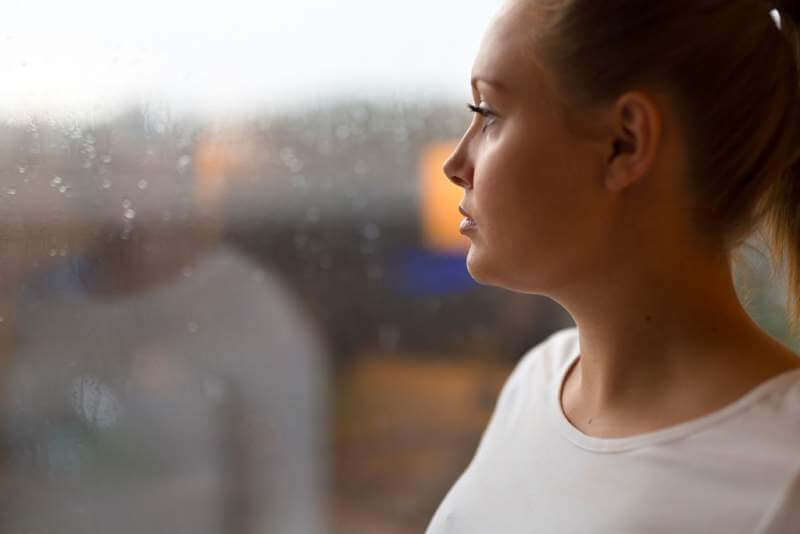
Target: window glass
[[234, 296]]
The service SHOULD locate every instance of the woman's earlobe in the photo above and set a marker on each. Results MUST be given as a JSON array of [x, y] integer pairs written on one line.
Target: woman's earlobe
[[618, 174]]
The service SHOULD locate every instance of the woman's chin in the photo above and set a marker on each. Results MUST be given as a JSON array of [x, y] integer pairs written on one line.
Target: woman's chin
[[477, 266], [484, 269]]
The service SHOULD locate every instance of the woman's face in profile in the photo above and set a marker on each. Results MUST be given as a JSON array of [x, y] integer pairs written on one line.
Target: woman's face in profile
[[534, 189]]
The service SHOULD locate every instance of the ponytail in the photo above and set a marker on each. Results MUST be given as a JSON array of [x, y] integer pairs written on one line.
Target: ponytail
[[733, 69], [782, 218]]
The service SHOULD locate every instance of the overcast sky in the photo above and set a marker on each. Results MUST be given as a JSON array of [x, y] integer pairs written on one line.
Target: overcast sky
[[234, 55]]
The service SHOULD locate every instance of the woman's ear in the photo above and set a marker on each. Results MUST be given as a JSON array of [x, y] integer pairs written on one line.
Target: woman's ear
[[636, 133]]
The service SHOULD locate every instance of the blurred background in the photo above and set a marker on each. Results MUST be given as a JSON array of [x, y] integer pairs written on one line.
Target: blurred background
[[232, 288]]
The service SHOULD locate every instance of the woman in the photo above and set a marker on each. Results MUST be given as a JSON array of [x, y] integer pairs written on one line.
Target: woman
[[620, 152]]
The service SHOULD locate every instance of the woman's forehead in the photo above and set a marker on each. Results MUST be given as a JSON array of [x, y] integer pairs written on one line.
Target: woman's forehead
[[505, 61]]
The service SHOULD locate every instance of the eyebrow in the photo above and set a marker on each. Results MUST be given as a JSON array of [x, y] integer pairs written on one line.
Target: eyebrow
[[488, 81]]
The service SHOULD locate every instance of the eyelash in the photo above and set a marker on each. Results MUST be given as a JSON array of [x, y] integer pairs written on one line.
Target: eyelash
[[483, 112]]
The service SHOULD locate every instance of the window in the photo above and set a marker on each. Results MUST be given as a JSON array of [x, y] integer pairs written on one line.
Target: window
[[234, 296]]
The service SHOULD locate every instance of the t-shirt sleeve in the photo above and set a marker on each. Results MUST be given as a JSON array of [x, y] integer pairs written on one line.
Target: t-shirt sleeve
[[784, 516], [508, 403]]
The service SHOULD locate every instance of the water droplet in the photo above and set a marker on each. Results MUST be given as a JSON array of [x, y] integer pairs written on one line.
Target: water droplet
[[360, 114], [62, 252], [388, 336], [358, 203], [183, 162], [312, 215], [21, 169], [401, 134], [289, 159], [106, 159], [343, 131], [56, 181], [192, 326], [361, 168], [214, 389], [187, 272], [11, 191], [63, 189], [106, 184], [374, 272], [371, 231], [142, 184], [129, 214], [95, 402], [299, 181], [326, 262], [126, 203], [300, 241], [52, 252]]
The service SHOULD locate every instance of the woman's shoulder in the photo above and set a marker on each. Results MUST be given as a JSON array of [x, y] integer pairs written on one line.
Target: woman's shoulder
[[543, 363], [552, 354]]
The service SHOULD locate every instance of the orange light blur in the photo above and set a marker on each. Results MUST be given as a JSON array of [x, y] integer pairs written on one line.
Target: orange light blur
[[217, 159], [439, 201]]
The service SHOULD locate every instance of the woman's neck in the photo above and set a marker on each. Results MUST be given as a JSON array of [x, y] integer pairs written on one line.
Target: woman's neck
[[665, 344]]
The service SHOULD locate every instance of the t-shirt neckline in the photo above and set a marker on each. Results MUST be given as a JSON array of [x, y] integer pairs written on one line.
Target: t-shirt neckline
[[611, 445]]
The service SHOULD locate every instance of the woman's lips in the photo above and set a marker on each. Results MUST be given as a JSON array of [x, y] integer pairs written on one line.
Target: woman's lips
[[467, 224]]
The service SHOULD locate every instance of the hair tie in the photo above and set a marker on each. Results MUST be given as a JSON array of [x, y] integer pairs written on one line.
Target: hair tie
[[787, 8]]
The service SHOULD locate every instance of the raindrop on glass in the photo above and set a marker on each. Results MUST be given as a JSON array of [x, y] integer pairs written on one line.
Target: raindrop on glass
[[388, 336], [11, 191], [52, 252], [95, 402], [371, 231], [142, 184], [299, 181], [300, 241], [21, 169], [126, 203], [192, 327], [106, 184], [361, 168], [129, 214], [56, 181], [374, 272], [343, 131], [183, 162], [326, 262], [312, 215], [63, 189]]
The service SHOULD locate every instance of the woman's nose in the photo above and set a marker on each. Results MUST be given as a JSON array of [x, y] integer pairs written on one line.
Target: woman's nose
[[457, 169]]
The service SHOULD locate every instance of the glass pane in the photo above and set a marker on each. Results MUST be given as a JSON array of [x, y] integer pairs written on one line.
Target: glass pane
[[235, 297]]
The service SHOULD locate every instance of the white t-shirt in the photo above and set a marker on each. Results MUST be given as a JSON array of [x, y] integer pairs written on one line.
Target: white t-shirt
[[736, 470]]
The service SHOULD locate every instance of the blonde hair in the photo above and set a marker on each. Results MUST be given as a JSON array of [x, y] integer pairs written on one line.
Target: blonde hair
[[732, 70]]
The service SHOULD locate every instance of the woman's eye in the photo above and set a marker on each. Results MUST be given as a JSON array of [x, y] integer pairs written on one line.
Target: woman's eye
[[488, 116]]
